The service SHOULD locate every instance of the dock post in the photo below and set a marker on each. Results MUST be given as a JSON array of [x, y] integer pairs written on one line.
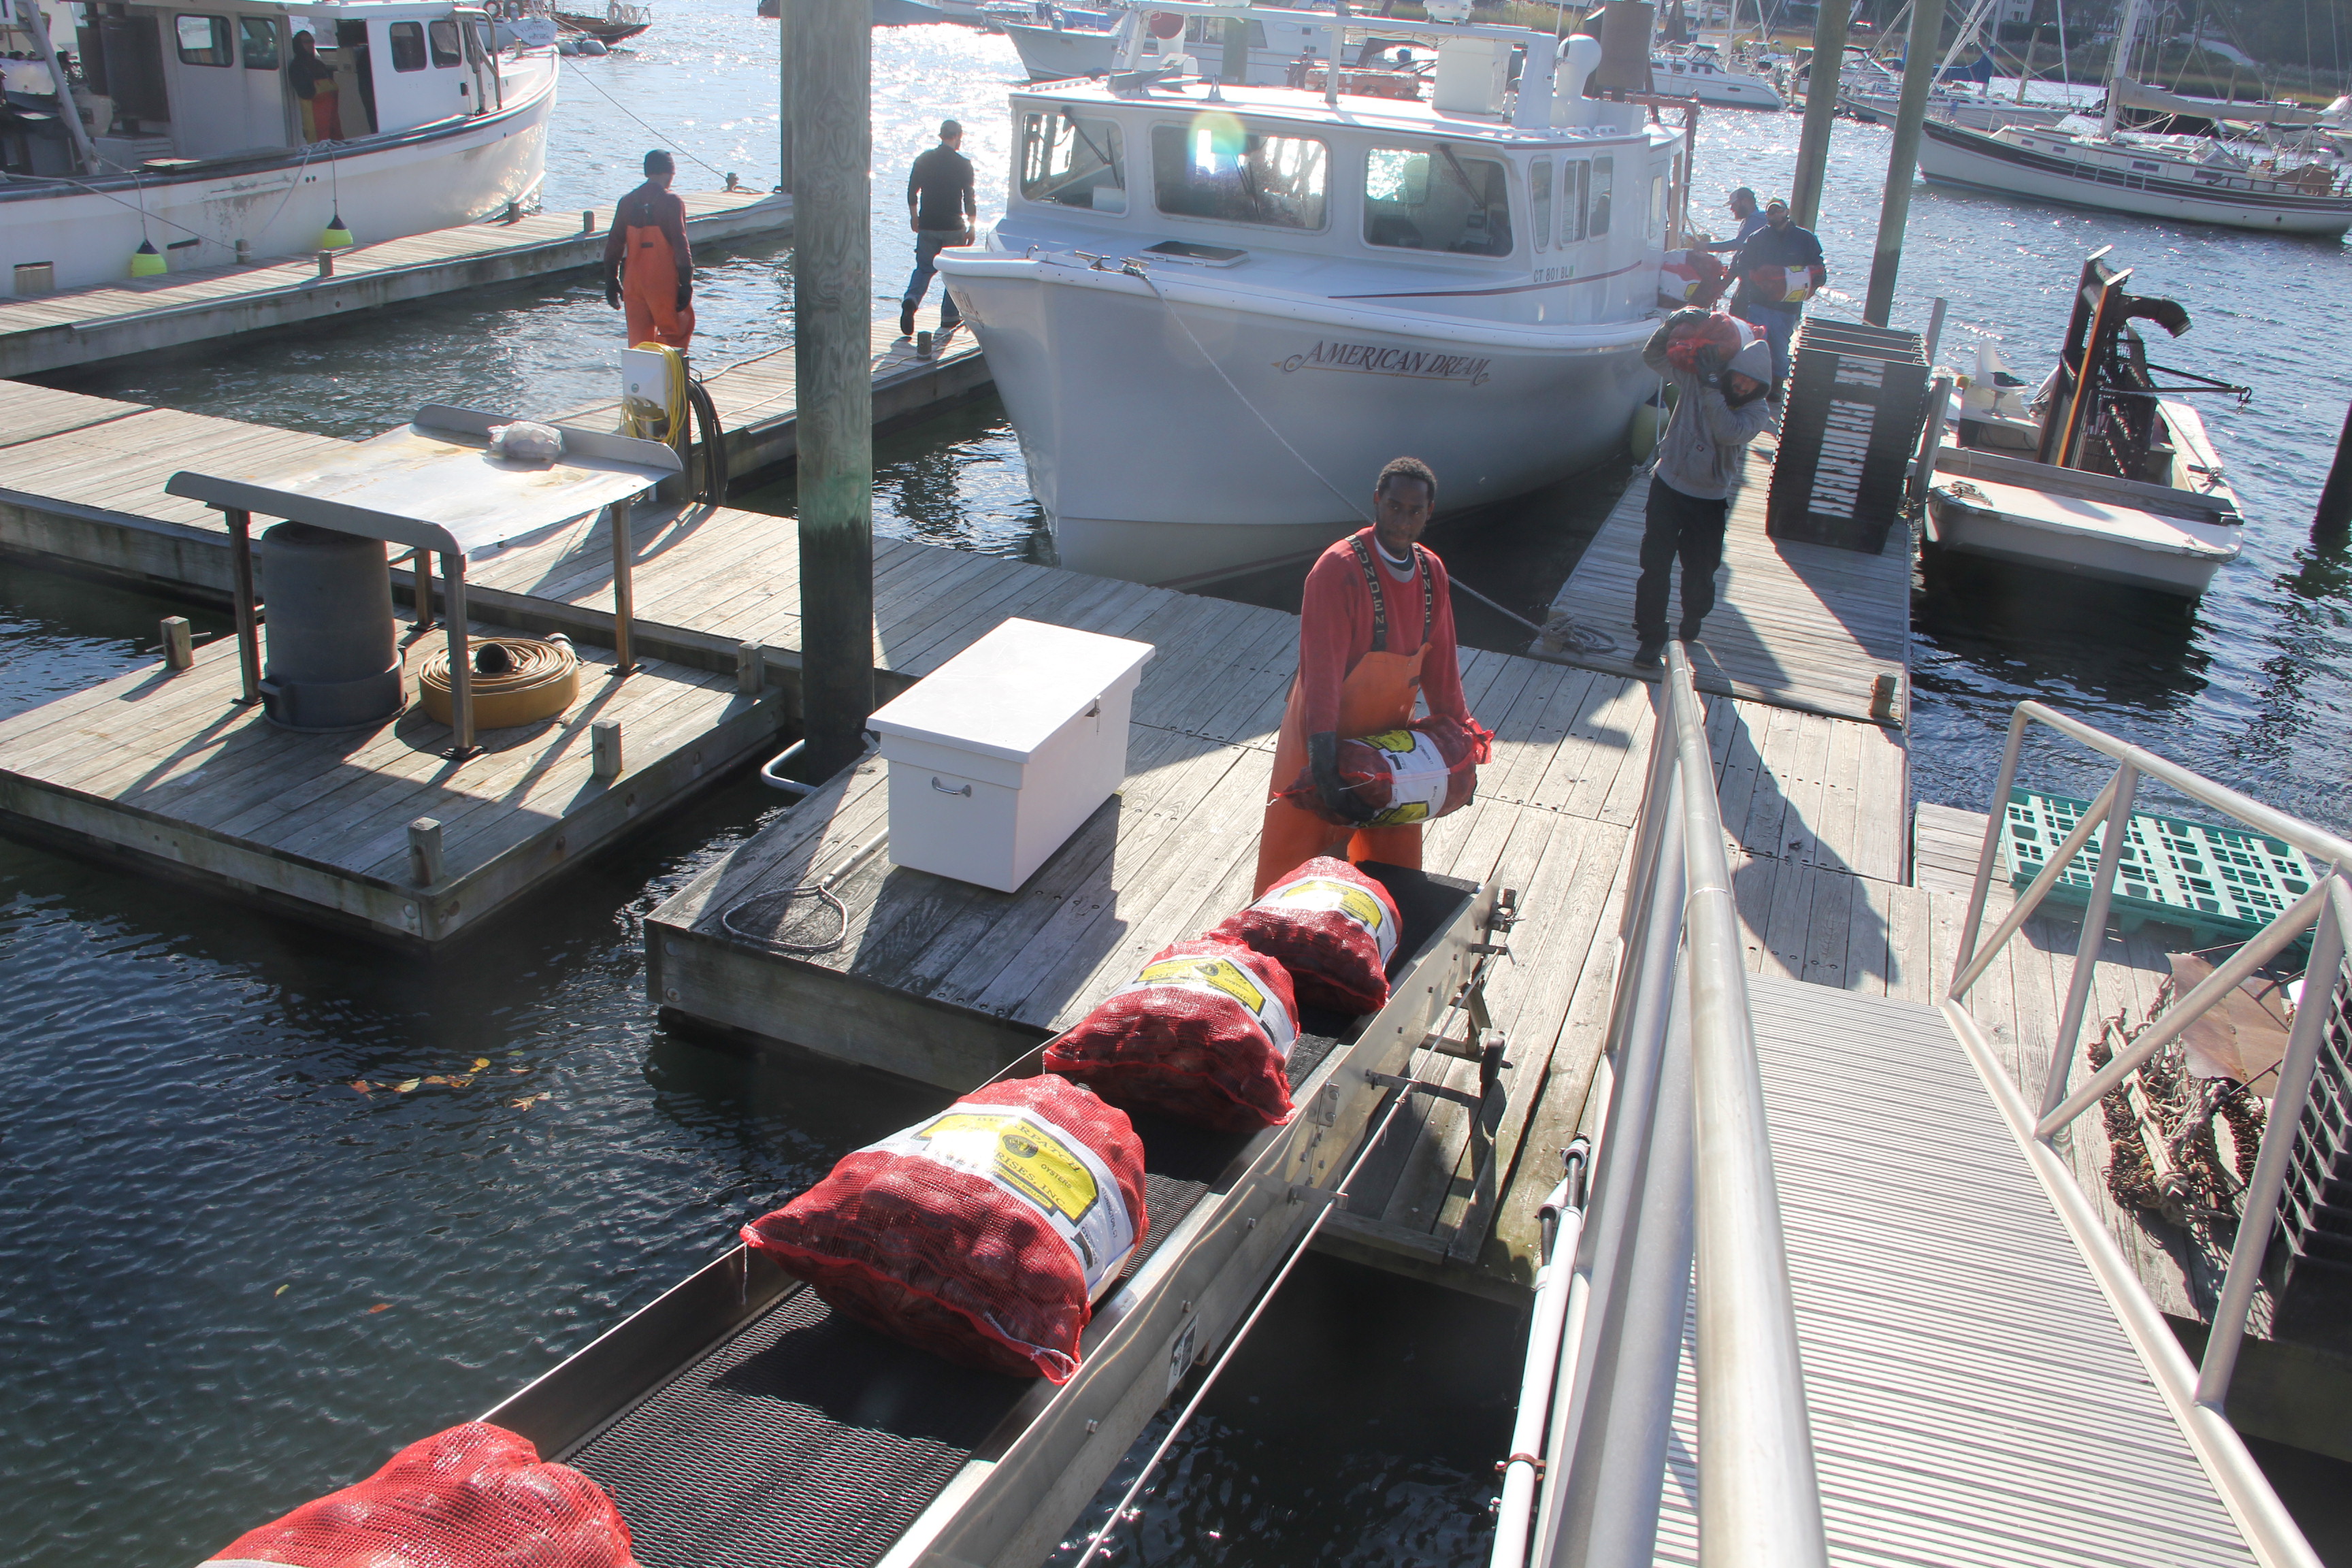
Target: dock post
[[833, 264], [2333, 522], [461, 661], [604, 748], [178, 650], [1821, 115], [248, 634], [624, 588], [422, 560], [751, 669], [424, 863], [1903, 160], [785, 93]]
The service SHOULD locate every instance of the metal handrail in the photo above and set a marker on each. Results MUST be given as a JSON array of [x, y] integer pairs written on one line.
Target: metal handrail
[[2195, 1393], [1683, 1176]]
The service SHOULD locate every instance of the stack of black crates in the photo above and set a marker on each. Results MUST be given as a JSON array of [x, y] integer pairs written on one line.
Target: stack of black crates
[[1849, 423], [2315, 1223]]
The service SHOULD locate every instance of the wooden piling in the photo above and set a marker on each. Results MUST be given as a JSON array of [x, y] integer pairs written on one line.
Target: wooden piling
[[1821, 115], [2331, 523], [785, 94], [427, 864], [1920, 52], [179, 649], [604, 748], [831, 61]]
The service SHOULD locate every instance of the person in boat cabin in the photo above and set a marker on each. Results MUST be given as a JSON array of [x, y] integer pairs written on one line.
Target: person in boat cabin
[[648, 266], [314, 88], [1719, 408], [1375, 632], [1777, 268], [1750, 217], [942, 210]]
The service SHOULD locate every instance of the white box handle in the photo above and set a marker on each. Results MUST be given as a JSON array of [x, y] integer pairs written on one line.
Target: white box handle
[[945, 790]]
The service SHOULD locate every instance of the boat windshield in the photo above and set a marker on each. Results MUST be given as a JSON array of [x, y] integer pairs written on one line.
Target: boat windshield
[[1214, 168], [1072, 162], [1432, 198]]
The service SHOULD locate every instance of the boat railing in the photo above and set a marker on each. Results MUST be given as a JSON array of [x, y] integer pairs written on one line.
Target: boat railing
[[1683, 1175], [2195, 1392]]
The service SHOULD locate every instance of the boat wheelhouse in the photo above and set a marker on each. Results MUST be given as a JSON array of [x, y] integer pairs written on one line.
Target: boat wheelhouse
[[192, 147], [1213, 313]]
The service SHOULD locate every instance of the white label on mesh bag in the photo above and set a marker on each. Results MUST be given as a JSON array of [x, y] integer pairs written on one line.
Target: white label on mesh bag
[[1348, 900], [1419, 775], [1026, 1155], [1221, 978]]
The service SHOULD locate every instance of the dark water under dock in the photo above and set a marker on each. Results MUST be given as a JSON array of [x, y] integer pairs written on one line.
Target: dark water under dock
[[200, 1218]]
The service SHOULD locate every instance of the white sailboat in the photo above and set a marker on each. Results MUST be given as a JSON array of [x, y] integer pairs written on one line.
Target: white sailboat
[[2101, 165], [1698, 72], [184, 144], [1213, 314]]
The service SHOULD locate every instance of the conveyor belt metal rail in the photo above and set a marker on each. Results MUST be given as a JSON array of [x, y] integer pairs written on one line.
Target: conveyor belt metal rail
[[737, 1419]]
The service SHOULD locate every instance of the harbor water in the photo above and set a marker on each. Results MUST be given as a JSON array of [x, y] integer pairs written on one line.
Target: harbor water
[[234, 1279]]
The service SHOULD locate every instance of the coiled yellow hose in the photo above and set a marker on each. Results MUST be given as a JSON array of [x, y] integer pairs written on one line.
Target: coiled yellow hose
[[543, 679]]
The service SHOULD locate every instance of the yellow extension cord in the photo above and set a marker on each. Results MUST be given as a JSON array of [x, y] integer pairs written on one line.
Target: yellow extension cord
[[670, 423]]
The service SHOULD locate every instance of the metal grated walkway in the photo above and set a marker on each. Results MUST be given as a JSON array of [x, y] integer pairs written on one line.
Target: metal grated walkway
[[1972, 1396]]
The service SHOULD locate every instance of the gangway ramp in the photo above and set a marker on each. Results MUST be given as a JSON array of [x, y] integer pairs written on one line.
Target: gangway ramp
[[1974, 1399]]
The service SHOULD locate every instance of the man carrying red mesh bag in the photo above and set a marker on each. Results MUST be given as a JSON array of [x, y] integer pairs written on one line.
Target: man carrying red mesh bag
[[1332, 928], [1409, 775], [984, 1234], [1204, 1033], [473, 1494]]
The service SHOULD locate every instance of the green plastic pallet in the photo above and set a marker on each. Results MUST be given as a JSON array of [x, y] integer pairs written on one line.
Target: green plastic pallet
[[2221, 883]]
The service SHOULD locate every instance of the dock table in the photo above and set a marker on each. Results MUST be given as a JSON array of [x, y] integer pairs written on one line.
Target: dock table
[[434, 485]]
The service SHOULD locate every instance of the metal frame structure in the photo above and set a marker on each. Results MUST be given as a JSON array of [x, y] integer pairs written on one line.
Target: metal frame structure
[[2195, 1394], [427, 485], [1683, 1176]]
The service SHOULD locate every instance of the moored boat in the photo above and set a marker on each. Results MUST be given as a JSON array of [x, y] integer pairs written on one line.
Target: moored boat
[[2110, 479], [1214, 314], [1700, 73], [202, 153]]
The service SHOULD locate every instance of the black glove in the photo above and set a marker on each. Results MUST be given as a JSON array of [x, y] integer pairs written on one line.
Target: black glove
[[1688, 316], [612, 294], [1323, 760], [684, 295], [1709, 362]]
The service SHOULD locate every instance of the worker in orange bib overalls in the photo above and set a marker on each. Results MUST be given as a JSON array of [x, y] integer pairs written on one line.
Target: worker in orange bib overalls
[[1375, 632], [648, 266]]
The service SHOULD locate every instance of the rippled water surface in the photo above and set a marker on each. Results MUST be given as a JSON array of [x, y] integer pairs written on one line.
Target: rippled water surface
[[229, 1280]]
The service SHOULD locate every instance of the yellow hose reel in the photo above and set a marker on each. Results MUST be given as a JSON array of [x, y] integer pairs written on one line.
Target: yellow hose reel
[[541, 680]]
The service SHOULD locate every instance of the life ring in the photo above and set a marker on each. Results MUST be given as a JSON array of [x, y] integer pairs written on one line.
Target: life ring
[[543, 679]]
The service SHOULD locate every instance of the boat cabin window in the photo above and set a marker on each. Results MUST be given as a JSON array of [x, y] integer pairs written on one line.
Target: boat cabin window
[[1604, 179], [407, 45], [1214, 168], [1435, 199], [1540, 203], [1073, 163], [448, 50], [1657, 205], [1202, 34], [204, 40], [1575, 187], [257, 40]]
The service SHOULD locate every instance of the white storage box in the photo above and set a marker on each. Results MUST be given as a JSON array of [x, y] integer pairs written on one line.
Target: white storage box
[[997, 757]]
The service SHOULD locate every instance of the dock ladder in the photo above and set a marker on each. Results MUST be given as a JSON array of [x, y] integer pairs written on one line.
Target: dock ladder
[[1837, 1297]]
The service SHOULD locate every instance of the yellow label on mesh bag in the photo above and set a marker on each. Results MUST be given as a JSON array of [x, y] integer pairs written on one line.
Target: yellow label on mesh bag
[[1221, 978], [1330, 893], [1418, 776], [1064, 1180]]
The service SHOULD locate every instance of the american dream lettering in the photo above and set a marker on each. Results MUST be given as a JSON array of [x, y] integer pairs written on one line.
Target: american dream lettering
[[1371, 359]]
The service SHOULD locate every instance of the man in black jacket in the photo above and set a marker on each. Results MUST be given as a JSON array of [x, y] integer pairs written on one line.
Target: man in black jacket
[[940, 210], [1776, 268]]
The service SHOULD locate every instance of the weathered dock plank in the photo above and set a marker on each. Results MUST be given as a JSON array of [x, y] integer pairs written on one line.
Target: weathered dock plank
[[86, 326]]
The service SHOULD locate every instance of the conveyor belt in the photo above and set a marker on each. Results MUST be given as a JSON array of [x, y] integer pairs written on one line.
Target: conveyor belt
[[803, 1440]]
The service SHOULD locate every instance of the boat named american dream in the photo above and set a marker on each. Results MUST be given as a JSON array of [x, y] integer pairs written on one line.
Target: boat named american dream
[[1213, 314], [198, 151]]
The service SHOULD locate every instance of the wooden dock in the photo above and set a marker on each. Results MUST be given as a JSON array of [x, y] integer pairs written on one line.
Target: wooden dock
[[1797, 626], [85, 326], [163, 771]]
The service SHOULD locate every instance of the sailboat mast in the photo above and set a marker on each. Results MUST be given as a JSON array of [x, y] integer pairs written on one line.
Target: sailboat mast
[[2120, 64]]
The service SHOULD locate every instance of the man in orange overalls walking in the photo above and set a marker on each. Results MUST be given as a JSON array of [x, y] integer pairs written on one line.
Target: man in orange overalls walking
[[1375, 632], [648, 266]]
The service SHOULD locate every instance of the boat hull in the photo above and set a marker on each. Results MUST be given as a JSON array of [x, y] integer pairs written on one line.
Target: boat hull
[[1054, 54], [1994, 537], [1952, 156], [1203, 432], [432, 178]]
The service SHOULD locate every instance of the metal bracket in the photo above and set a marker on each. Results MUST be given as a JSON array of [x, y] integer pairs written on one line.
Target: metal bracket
[[1325, 1110], [1301, 1192], [1488, 946], [1411, 1085]]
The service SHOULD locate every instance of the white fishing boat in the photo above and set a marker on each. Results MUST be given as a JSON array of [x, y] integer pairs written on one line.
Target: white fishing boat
[[1214, 314], [1699, 73], [2101, 476], [1067, 47], [2081, 163], [187, 146]]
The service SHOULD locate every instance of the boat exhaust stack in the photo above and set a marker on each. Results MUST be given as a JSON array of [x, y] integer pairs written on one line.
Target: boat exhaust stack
[[1578, 61]]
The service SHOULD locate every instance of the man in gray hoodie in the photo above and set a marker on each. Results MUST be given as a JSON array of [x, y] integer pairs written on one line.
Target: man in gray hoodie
[[1719, 409]]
